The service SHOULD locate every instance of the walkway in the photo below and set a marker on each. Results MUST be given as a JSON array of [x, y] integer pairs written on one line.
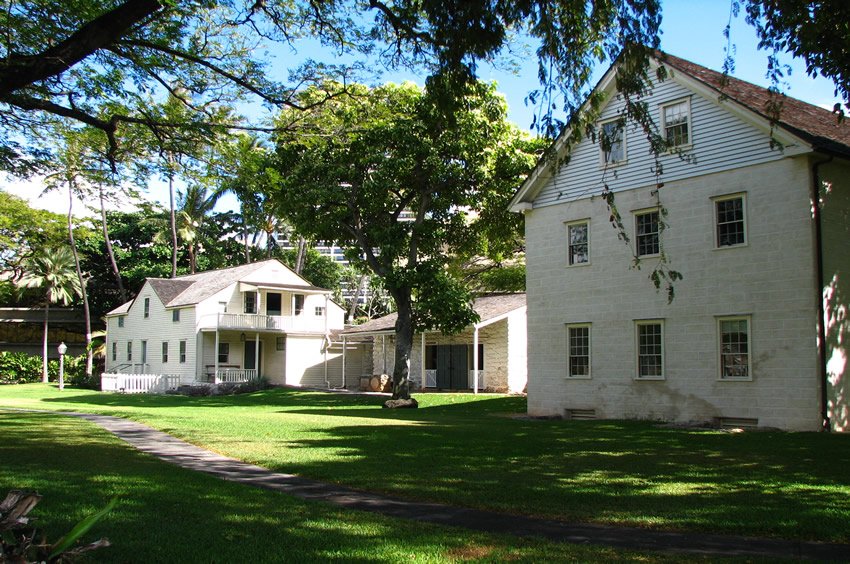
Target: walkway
[[175, 451]]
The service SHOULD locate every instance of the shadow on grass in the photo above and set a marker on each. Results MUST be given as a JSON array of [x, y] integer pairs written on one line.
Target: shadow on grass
[[167, 514]]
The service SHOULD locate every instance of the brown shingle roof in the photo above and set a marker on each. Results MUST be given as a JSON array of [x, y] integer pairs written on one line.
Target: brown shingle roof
[[487, 307], [167, 288], [815, 125]]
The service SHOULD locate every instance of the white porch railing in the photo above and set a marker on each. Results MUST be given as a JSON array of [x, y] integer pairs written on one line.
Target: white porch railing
[[306, 321], [233, 375], [138, 383]]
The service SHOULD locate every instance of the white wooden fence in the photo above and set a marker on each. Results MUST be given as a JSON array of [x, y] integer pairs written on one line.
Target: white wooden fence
[[235, 375], [139, 383]]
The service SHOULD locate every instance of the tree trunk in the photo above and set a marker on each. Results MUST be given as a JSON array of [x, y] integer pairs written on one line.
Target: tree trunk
[[192, 265], [109, 250], [44, 344], [86, 312], [300, 256], [173, 219], [352, 311], [403, 344]]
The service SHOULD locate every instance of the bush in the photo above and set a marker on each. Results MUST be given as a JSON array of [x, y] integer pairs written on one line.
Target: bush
[[22, 368]]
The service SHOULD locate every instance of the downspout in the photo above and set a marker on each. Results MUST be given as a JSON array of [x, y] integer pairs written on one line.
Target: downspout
[[475, 357], [816, 216]]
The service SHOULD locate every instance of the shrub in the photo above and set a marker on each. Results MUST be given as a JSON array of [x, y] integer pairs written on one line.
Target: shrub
[[19, 368]]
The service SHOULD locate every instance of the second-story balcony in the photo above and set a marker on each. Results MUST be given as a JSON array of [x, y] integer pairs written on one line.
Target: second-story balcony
[[265, 323]]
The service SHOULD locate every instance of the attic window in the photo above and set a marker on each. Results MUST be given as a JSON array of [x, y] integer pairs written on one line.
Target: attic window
[[676, 123], [612, 142], [147, 307], [121, 321]]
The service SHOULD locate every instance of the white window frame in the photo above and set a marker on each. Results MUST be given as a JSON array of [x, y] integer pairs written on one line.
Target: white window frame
[[570, 327], [644, 323], [175, 315], [182, 352], [121, 320], [662, 121], [147, 308], [569, 226], [245, 299], [144, 352], [165, 352], [319, 311], [720, 376], [129, 351], [114, 351], [725, 198], [641, 213], [603, 161]]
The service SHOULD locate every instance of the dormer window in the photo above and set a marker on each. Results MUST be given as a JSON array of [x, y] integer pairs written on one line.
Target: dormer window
[[612, 142]]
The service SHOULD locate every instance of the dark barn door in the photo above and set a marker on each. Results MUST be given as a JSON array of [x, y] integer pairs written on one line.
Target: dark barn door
[[452, 367]]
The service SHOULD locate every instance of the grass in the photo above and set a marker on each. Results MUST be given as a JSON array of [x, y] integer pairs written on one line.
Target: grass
[[168, 514], [469, 450]]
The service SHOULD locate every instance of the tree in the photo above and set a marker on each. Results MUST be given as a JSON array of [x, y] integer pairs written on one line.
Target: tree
[[320, 270], [402, 186], [23, 230], [52, 271]]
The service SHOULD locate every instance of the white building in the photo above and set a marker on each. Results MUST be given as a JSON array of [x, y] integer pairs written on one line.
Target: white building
[[233, 324], [763, 268], [496, 343]]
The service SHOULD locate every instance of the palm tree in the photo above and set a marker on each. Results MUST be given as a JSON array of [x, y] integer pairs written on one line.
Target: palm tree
[[196, 203], [54, 272]]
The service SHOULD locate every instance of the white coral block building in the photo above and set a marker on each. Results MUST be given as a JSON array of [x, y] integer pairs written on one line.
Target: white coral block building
[[757, 224]]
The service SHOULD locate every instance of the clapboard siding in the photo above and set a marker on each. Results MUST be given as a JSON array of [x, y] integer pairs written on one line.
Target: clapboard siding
[[713, 127]]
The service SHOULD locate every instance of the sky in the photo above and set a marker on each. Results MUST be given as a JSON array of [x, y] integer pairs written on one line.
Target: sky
[[691, 29]]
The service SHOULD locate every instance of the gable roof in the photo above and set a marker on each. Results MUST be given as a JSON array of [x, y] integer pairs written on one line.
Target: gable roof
[[816, 126], [487, 308], [193, 288]]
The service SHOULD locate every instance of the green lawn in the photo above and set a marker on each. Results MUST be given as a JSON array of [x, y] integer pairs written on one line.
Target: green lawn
[[168, 514], [470, 451]]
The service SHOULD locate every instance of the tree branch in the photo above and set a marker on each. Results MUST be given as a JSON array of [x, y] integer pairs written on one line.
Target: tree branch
[[20, 71]]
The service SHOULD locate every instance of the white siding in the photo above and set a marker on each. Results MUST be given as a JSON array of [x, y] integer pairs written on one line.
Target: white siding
[[721, 141]]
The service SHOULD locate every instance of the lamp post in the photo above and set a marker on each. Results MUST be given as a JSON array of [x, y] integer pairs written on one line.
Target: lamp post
[[63, 348]]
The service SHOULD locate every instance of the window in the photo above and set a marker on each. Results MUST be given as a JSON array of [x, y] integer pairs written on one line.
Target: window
[[224, 353], [676, 123], [298, 303], [147, 307], [578, 243], [222, 307], [280, 344], [578, 347], [730, 222], [182, 351], [250, 299], [319, 311], [650, 349], [164, 352], [144, 352], [129, 351], [734, 348], [121, 321], [646, 233], [175, 315], [114, 351], [611, 142]]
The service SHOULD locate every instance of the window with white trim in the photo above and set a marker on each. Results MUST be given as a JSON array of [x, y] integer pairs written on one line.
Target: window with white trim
[[319, 311], [144, 352], [578, 242], [612, 142], [175, 315], [121, 321], [735, 354], [164, 352], [730, 220], [578, 350], [182, 352], [649, 335], [147, 307], [647, 233], [298, 303], [129, 351], [224, 353], [114, 351], [250, 302], [676, 123]]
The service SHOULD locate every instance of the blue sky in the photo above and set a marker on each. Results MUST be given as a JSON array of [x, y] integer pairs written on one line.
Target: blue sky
[[691, 29]]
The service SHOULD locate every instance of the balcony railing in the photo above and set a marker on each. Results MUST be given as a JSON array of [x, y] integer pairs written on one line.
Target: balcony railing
[[253, 321]]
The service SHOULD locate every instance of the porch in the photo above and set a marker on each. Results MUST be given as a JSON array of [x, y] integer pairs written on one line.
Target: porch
[[150, 383]]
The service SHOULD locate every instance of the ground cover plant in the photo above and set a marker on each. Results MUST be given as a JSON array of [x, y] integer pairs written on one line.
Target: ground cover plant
[[169, 514], [477, 451]]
